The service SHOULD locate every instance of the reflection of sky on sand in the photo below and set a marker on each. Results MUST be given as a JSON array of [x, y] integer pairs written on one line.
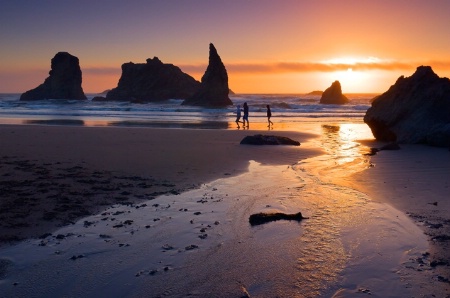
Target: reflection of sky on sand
[[340, 141], [347, 242], [345, 155], [372, 238]]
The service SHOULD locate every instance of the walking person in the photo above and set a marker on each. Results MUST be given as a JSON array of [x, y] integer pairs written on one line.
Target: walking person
[[269, 114], [245, 118], [238, 115]]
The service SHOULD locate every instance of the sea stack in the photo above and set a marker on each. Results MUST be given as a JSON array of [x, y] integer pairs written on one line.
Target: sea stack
[[152, 81], [333, 95], [214, 88], [64, 81], [414, 110]]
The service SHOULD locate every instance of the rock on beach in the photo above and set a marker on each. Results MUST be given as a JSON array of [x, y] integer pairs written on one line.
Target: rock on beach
[[415, 110], [268, 140]]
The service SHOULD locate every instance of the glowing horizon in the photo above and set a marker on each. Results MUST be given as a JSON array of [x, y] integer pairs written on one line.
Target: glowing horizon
[[350, 72], [286, 46]]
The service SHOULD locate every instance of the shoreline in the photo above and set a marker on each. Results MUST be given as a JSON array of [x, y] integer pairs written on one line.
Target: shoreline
[[68, 152]]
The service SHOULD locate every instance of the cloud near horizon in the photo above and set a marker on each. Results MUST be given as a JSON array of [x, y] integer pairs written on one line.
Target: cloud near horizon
[[274, 68], [301, 67]]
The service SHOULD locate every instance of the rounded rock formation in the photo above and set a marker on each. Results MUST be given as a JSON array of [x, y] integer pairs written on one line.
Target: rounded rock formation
[[414, 110], [333, 95], [152, 81]]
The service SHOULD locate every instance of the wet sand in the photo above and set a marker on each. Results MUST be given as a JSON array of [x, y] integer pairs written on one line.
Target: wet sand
[[174, 221], [416, 180], [53, 175]]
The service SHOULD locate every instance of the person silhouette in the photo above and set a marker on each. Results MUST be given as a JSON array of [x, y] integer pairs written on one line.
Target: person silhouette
[[269, 114], [245, 118], [238, 115]]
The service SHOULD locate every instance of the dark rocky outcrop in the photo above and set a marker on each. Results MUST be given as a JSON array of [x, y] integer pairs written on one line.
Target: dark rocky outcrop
[[262, 218], [414, 110], [333, 95], [152, 81], [268, 140], [214, 89], [64, 81]]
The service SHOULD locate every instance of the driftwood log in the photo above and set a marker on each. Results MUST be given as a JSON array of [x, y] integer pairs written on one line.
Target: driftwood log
[[262, 218]]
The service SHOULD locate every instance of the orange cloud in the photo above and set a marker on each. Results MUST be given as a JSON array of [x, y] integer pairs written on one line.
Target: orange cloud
[[301, 67], [291, 67]]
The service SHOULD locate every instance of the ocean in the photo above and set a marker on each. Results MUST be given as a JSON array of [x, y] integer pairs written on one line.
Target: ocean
[[286, 108]]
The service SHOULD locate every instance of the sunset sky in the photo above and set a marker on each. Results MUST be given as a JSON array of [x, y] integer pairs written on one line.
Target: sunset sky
[[282, 46]]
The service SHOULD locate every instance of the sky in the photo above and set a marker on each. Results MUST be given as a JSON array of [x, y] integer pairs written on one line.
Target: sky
[[278, 46]]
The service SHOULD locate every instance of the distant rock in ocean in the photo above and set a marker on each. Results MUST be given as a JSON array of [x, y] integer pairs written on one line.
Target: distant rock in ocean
[[414, 110], [315, 92], [214, 88], [152, 81], [333, 95], [64, 81]]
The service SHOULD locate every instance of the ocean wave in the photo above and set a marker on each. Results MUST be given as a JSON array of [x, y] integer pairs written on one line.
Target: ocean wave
[[285, 107]]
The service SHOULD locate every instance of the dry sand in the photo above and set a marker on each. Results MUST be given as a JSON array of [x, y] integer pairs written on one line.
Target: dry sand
[[53, 176]]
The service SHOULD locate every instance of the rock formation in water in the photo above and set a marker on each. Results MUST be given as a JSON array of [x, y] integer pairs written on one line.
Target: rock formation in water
[[415, 109], [64, 81], [214, 88], [333, 95], [152, 81], [315, 92]]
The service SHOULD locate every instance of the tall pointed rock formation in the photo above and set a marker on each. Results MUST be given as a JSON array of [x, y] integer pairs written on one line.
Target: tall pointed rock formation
[[64, 81], [214, 88]]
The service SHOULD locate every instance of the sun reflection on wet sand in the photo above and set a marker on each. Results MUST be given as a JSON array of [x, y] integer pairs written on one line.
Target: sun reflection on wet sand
[[345, 155], [340, 141], [352, 229]]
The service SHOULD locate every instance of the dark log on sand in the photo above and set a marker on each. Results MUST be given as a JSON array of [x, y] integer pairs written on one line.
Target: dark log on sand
[[262, 218]]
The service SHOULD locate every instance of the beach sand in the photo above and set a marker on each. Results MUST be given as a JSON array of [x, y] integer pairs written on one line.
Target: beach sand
[[416, 180], [135, 211], [54, 175]]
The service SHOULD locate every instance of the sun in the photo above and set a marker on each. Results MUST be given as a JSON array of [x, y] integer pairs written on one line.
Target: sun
[[351, 81], [348, 75], [345, 70]]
